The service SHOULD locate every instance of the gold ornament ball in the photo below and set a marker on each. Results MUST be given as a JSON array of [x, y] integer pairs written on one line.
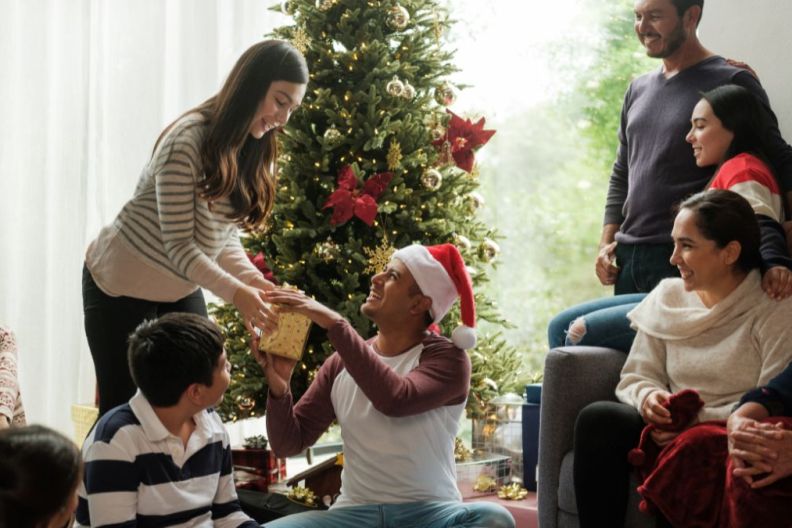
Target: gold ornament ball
[[409, 91], [398, 18], [432, 179], [446, 94], [395, 87], [332, 137], [324, 5], [488, 250]]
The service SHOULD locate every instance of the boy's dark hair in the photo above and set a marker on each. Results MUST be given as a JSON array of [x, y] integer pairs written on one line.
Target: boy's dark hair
[[39, 472], [168, 354]]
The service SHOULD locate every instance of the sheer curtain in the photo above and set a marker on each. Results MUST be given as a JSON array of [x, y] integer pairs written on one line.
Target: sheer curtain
[[86, 88]]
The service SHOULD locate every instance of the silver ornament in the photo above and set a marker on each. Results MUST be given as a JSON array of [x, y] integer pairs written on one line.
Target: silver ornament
[[409, 91], [462, 242], [395, 87], [446, 94], [398, 18], [488, 250], [437, 133], [332, 137], [432, 179], [474, 201]]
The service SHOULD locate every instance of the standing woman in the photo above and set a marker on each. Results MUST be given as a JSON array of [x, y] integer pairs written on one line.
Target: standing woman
[[213, 171]]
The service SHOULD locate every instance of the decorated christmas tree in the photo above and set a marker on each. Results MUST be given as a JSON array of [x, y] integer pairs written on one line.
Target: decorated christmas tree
[[374, 160]]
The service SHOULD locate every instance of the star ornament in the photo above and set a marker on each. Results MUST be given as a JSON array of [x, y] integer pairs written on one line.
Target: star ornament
[[349, 200], [463, 138]]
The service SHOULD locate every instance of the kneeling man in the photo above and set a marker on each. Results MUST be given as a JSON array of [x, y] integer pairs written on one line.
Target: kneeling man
[[398, 398]]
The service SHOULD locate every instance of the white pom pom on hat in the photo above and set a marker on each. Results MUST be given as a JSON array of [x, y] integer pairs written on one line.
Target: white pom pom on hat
[[442, 276]]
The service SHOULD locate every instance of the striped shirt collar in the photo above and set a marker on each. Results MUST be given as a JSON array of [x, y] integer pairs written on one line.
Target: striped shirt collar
[[153, 428]]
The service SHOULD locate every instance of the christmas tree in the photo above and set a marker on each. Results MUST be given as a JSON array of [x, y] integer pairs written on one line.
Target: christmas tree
[[374, 160]]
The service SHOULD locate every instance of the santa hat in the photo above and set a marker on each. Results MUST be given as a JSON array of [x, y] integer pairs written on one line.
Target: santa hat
[[441, 274]]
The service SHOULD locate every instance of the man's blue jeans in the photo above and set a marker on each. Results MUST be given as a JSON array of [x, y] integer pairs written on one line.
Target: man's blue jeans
[[605, 320], [642, 266], [408, 515]]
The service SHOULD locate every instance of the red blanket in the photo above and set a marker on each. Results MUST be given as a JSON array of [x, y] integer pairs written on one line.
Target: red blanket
[[692, 485]]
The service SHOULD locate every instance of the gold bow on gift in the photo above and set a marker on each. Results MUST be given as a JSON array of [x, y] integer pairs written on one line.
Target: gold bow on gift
[[512, 491], [302, 495], [485, 483]]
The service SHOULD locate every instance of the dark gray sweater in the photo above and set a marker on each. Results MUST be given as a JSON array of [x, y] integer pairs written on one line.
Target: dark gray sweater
[[654, 167]]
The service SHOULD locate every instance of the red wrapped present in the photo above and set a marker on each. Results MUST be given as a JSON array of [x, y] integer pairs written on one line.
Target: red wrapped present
[[256, 469]]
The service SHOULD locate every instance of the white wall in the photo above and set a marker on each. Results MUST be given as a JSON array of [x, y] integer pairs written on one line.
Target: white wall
[[756, 32]]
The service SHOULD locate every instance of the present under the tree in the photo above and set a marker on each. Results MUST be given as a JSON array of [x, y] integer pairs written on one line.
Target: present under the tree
[[483, 475], [500, 431], [256, 469]]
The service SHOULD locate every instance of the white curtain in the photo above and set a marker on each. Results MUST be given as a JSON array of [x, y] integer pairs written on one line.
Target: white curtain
[[85, 89]]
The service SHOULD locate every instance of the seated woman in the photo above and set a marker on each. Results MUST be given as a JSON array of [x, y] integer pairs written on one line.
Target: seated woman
[[728, 131], [40, 470], [11, 410], [714, 319]]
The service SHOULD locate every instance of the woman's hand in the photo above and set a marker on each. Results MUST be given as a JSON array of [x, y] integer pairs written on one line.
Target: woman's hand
[[278, 370], [662, 438], [296, 301], [654, 409], [777, 283], [255, 312]]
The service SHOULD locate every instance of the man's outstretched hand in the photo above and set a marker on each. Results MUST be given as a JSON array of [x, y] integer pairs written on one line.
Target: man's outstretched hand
[[287, 300]]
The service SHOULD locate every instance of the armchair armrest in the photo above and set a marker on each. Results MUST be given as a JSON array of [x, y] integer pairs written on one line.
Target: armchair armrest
[[573, 378]]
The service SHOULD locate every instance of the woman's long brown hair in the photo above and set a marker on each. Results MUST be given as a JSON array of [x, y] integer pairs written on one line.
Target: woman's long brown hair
[[237, 165]]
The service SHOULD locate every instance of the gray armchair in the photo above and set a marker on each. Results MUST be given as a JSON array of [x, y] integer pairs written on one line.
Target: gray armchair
[[573, 378]]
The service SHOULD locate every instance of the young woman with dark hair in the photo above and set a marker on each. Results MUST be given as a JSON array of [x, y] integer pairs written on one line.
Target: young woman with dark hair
[[213, 171]]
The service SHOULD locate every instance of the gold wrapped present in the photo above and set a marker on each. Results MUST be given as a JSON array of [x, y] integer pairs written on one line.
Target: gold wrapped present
[[288, 340]]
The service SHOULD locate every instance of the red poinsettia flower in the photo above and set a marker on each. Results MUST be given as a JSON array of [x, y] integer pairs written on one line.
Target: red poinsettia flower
[[261, 264], [463, 138], [348, 200]]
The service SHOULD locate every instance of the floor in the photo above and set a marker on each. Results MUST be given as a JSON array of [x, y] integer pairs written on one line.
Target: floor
[[524, 511]]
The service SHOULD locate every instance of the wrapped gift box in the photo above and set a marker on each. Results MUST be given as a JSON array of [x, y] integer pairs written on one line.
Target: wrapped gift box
[[288, 340], [483, 466], [499, 431], [256, 469]]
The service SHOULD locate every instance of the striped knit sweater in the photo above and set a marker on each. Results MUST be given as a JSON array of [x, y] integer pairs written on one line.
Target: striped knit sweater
[[167, 240], [139, 474]]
